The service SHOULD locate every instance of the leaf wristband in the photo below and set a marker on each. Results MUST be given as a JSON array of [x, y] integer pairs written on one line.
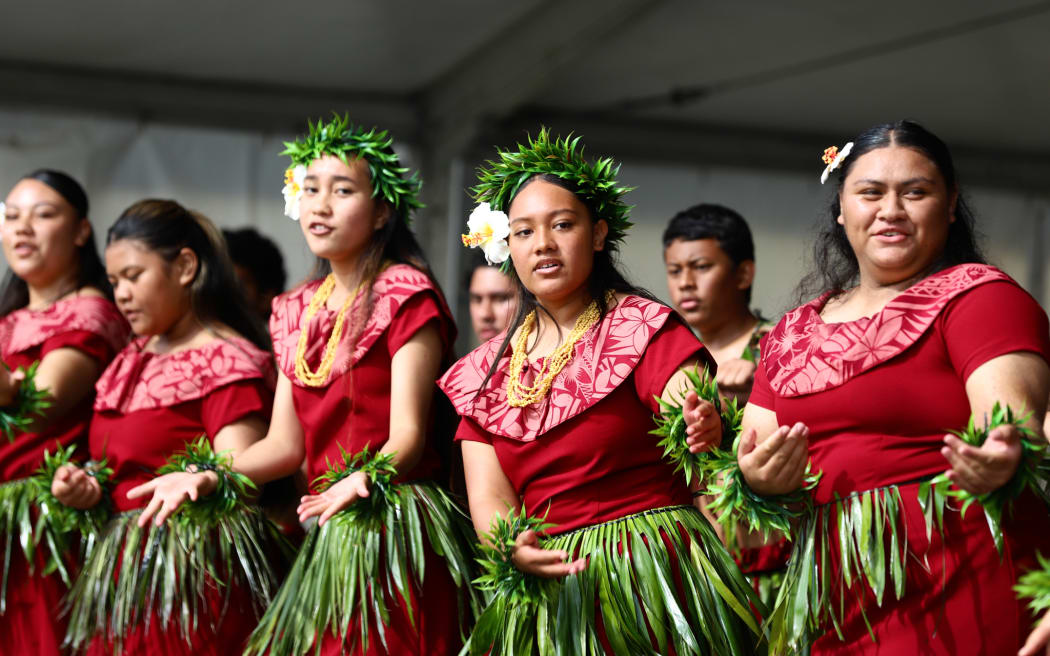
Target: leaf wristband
[[230, 490]]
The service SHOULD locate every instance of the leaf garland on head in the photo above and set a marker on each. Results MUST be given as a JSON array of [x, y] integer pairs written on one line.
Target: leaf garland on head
[[719, 471], [1030, 471], [343, 139], [29, 402], [499, 180]]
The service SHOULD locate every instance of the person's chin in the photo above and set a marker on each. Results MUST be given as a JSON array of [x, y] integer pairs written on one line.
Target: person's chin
[[486, 335], [692, 317]]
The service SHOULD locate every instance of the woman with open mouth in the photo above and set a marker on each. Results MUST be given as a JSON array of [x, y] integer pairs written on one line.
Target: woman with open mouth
[[58, 331]]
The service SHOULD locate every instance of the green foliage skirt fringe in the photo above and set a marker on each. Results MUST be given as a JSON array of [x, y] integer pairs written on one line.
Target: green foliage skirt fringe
[[363, 557], [871, 540], [132, 572], [31, 517], [691, 598], [16, 526]]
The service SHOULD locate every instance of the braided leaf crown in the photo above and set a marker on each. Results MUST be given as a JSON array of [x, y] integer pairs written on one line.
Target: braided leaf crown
[[342, 138], [499, 181]]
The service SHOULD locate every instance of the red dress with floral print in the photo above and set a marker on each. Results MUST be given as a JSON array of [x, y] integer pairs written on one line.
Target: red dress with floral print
[[147, 408], [583, 455], [352, 411], [33, 622], [878, 395]]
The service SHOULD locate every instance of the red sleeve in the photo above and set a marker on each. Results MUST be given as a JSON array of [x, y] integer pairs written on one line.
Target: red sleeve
[[92, 344], [415, 313], [672, 346], [470, 431], [990, 320], [233, 402], [761, 393]]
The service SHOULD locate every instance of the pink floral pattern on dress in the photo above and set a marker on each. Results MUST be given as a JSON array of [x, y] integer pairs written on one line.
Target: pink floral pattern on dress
[[803, 355], [605, 357], [24, 329], [141, 380], [392, 288]]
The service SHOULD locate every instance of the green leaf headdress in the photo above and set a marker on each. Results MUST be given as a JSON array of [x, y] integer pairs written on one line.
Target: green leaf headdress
[[343, 139], [595, 182]]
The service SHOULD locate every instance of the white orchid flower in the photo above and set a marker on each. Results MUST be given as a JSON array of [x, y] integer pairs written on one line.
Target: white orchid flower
[[834, 157], [293, 191], [488, 229]]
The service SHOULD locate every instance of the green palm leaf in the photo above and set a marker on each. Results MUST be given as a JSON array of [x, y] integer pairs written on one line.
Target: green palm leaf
[[29, 402]]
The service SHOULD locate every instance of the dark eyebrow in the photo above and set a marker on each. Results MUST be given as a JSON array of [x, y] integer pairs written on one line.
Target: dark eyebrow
[[918, 179], [335, 178]]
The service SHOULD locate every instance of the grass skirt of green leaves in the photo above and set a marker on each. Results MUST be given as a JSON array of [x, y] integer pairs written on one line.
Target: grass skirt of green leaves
[[632, 580], [31, 518], [131, 573], [350, 569], [16, 526], [871, 545]]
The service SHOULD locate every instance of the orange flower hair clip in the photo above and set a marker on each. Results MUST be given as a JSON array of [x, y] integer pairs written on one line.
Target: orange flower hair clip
[[833, 157]]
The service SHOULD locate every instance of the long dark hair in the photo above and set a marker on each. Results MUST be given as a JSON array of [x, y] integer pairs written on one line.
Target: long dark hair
[[14, 293], [835, 265], [605, 276], [165, 227], [395, 243]]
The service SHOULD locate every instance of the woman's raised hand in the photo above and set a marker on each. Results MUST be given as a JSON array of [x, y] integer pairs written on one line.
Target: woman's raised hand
[[75, 488], [778, 464], [531, 558], [980, 470], [170, 491], [345, 492], [703, 426]]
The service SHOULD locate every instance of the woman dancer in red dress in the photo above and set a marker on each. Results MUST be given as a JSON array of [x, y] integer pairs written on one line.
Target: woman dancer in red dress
[[56, 315], [387, 570], [556, 420], [912, 336], [154, 583]]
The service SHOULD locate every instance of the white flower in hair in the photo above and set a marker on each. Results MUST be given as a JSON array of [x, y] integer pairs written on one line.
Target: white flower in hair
[[488, 229], [833, 157], [293, 191]]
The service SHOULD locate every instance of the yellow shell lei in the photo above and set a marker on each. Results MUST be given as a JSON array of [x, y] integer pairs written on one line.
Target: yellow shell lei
[[519, 395], [302, 369]]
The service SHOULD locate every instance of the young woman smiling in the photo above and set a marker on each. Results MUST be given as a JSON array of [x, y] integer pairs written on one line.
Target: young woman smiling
[[387, 569], [54, 313], [911, 335]]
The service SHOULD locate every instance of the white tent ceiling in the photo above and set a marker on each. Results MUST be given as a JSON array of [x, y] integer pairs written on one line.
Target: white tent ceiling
[[977, 72]]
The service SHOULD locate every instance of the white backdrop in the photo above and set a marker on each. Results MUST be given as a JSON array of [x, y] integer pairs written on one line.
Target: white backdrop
[[235, 177]]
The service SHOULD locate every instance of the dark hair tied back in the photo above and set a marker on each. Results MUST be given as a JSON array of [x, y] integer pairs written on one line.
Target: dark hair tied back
[[165, 227], [835, 267]]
